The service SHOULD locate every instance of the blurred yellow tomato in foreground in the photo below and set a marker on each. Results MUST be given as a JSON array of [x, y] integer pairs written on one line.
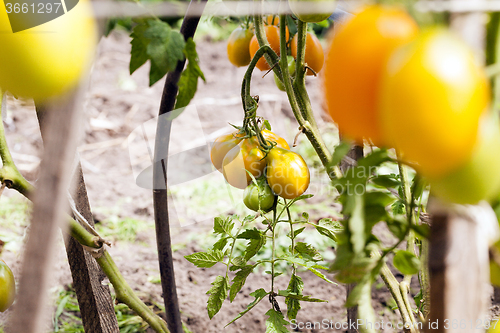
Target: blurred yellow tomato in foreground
[[354, 64], [48, 59], [433, 94]]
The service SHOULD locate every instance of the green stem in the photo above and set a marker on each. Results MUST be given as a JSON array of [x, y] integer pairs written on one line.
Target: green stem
[[125, 294], [292, 235], [9, 174], [273, 249]]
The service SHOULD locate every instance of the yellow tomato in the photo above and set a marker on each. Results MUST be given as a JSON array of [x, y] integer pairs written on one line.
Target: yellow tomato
[[354, 64], [221, 146], [238, 47], [48, 59], [315, 57], [432, 97], [246, 156], [479, 177], [273, 37], [287, 173]]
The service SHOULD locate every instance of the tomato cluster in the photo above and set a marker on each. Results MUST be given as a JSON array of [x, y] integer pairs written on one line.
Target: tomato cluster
[[242, 46], [420, 92], [280, 171]]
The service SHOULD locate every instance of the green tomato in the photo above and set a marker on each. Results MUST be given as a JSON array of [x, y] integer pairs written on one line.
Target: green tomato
[[479, 178], [259, 196], [7, 287], [316, 17], [291, 71]]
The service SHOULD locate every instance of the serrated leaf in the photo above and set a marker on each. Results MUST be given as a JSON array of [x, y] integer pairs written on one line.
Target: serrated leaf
[[398, 207], [276, 322], [259, 295], [250, 234], [218, 293], [238, 262], [308, 251], [188, 82], [295, 286], [253, 246], [223, 226], [165, 49], [205, 259], [327, 227], [239, 280], [406, 262]]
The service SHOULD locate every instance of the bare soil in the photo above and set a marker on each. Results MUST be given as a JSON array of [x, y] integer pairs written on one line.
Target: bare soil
[[117, 106]]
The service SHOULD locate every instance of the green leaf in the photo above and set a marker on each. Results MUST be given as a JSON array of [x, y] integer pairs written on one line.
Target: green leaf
[[218, 294], [254, 245], [379, 198], [239, 280], [422, 230], [328, 228], [276, 323], [398, 227], [387, 181], [295, 286], [266, 125], [305, 298], [221, 243], [308, 265], [250, 234], [308, 251], [223, 226], [398, 207], [259, 295], [406, 262], [205, 259], [374, 159], [418, 298], [188, 82], [356, 270], [138, 54], [165, 48], [296, 232], [340, 151], [238, 263], [154, 40]]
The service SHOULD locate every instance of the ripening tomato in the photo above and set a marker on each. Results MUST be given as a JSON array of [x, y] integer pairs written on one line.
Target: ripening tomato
[[432, 97], [221, 146], [311, 18], [259, 197], [272, 20], [315, 57], [49, 59], [479, 177], [246, 156], [238, 45], [270, 136], [273, 37], [287, 173], [354, 64], [7, 287]]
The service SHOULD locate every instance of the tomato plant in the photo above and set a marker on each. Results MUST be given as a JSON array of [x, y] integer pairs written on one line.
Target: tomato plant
[[238, 44], [314, 57], [37, 64], [354, 65], [432, 97], [7, 286]]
